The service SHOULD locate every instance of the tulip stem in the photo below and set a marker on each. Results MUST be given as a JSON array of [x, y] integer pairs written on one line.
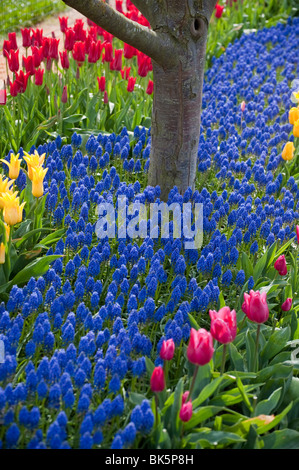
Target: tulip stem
[[8, 253], [156, 408], [255, 362], [193, 382], [223, 359]]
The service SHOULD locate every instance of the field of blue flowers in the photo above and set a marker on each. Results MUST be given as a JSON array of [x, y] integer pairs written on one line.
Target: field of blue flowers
[[82, 340]]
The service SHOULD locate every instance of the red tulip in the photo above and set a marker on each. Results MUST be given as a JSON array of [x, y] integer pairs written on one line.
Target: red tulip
[[186, 411], [223, 325], [69, 39], [167, 350], [255, 306], [118, 53], [108, 56], [131, 84], [119, 5], [150, 87], [143, 67], [13, 60], [64, 59], [13, 40], [80, 33], [64, 94], [287, 305], [219, 11], [106, 99], [49, 64], [36, 56], [93, 54], [26, 37], [3, 97], [46, 47], [63, 23], [39, 74], [53, 51], [102, 83], [13, 88], [125, 73], [157, 381], [79, 52], [28, 64], [6, 48], [37, 37], [281, 266], [200, 348], [129, 51]]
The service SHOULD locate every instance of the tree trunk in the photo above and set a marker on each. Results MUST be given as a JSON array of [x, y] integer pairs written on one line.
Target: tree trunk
[[176, 43], [176, 121]]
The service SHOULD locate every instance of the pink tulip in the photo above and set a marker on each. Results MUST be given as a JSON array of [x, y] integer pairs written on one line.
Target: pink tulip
[[200, 348], [186, 411], [255, 306], [281, 266], [297, 232], [286, 306], [167, 350], [157, 381], [223, 325]]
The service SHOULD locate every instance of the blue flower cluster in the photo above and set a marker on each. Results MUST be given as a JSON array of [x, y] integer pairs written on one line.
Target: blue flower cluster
[[74, 336]]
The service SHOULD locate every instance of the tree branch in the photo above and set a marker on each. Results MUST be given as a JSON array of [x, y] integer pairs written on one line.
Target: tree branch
[[138, 36]]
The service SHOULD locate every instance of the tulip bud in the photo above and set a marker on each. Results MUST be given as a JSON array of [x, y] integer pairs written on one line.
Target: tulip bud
[[186, 411], [106, 100], [243, 104], [223, 325], [255, 306], [281, 266], [131, 84], [64, 94], [167, 350], [200, 348], [297, 232], [286, 306], [157, 381]]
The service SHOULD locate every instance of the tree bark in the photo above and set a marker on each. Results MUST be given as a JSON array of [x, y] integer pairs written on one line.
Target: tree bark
[[176, 121], [176, 43]]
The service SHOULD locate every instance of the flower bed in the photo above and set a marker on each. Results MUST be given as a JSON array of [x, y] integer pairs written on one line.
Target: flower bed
[[85, 363]]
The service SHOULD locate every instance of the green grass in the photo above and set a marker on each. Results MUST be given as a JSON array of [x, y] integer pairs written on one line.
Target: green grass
[[24, 13]]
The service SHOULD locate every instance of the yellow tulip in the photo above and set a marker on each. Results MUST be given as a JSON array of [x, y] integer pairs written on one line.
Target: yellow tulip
[[2, 253], [296, 128], [293, 115], [14, 165], [13, 210], [33, 161], [288, 151], [5, 187], [38, 174]]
